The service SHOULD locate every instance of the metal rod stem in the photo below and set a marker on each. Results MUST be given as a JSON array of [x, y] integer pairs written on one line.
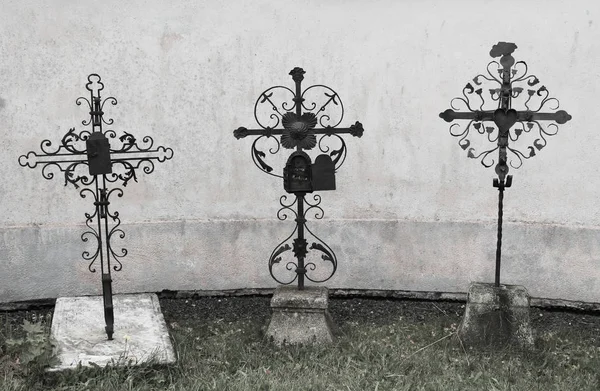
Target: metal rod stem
[[300, 223], [499, 243], [106, 278], [105, 208], [98, 218]]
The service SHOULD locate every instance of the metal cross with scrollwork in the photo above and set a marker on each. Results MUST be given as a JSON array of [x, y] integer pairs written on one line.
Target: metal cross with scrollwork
[[301, 175], [506, 92], [88, 158]]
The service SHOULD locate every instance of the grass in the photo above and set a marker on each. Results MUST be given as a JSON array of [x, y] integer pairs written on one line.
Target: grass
[[400, 354]]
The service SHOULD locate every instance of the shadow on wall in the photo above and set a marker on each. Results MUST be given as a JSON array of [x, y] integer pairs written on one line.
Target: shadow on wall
[[2, 103]]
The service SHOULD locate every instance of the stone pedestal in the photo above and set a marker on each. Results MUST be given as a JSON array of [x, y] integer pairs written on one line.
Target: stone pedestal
[[140, 332], [301, 316], [496, 316]]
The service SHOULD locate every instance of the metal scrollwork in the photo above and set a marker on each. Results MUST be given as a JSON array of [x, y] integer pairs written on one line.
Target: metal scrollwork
[[299, 247], [298, 112], [120, 157], [258, 156], [516, 135], [331, 103], [287, 209], [115, 230], [315, 204], [308, 121], [338, 155], [513, 83], [91, 232], [275, 113], [67, 158]]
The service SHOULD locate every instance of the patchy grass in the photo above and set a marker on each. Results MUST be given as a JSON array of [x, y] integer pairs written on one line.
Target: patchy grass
[[414, 349]]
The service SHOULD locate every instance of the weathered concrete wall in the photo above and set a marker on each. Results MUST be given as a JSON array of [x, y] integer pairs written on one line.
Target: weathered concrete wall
[[411, 211]]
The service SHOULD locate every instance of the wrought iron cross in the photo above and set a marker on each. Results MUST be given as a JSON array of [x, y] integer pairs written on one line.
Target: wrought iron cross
[[504, 117], [300, 175], [114, 161]]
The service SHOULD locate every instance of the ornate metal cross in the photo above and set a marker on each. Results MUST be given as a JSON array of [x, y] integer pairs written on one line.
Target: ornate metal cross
[[113, 161], [300, 175], [504, 117]]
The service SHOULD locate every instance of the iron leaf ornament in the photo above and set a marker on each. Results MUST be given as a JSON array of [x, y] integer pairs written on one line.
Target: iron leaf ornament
[[298, 131]]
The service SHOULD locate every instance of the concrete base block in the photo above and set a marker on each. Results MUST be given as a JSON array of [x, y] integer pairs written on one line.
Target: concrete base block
[[496, 316], [140, 332], [301, 316]]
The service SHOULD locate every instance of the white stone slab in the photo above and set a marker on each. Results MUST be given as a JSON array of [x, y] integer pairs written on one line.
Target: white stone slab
[[140, 331]]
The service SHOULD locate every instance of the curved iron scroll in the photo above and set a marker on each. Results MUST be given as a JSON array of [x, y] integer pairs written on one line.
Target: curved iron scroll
[[103, 248], [70, 157], [299, 246]]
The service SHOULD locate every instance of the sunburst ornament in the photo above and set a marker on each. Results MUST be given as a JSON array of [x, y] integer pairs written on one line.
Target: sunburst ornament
[[298, 130]]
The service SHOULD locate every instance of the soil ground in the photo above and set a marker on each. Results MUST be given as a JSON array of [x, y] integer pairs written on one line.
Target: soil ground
[[369, 310]]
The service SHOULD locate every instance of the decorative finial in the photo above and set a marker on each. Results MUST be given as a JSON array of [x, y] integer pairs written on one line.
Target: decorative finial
[[297, 74], [504, 50], [94, 85]]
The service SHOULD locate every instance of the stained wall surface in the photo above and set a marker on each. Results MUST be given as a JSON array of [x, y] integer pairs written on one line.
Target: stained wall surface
[[411, 211]]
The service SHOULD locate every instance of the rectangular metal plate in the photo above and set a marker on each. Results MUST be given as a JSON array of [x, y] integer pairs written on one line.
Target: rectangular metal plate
[[323, 173], [98, 153]]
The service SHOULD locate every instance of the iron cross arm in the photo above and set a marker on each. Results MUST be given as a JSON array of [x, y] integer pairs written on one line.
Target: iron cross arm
[[355, 130], [32, 159], [67, 162], [560, 117]]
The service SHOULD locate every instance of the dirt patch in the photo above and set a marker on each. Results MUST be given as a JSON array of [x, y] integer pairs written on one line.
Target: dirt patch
[[343, 310]]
